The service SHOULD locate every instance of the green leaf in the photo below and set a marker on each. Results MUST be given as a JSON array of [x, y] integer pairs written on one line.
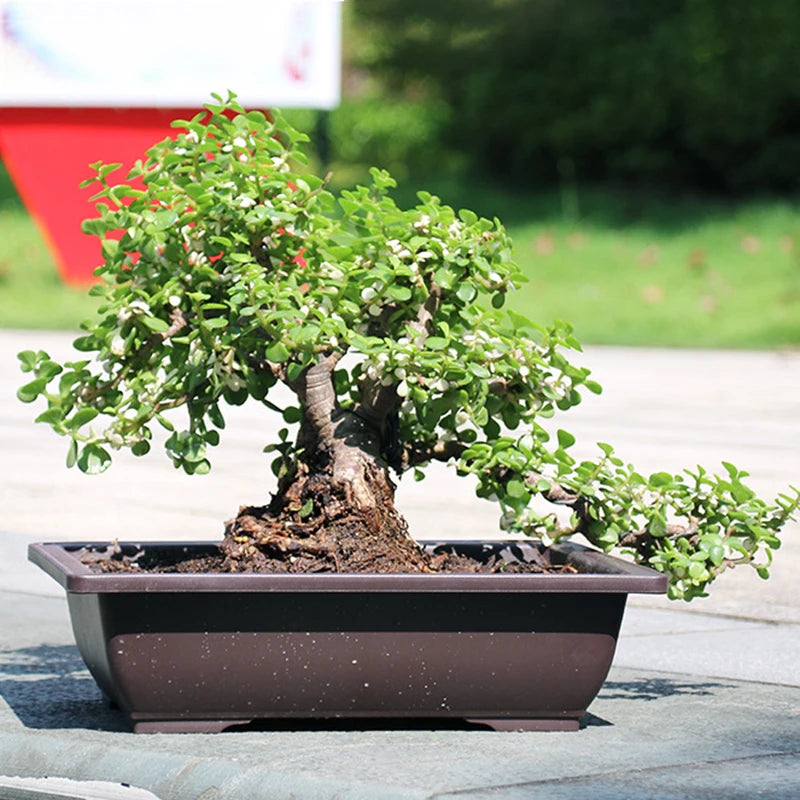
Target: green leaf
[[479, 370], [498, 300], [103, 170], [436, 343], [52, 416], [658, 479], [165, 219], [30, 391], [466, 292], [294, 370], [216, 322], [164, 422], [202, 467], [72, 454], [292, 414], [731, 469], [468, 217], [446, 277], [256, 384], [215, 415], [141, 448], [155, 324], [307, 508], [277, 353], [697, 570], [93, 460], [85, 343], [516, 488], [511, 416], [236, 398], [399, 293], [740, 493], [48, 370], [717, 554], [657, 525], [565, 439], [593, 386], [28, 360], [109, 248], [81, 417], [194, 449], [491, 429]]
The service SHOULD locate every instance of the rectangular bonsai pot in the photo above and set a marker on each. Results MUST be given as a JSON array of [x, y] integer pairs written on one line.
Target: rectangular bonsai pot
[[188, 652]]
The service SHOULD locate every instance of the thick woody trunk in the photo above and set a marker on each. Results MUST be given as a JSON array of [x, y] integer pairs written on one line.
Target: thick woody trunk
[[335, 509]]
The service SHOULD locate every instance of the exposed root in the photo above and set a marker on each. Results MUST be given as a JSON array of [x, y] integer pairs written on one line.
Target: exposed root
[[353, 542], [314, 525]]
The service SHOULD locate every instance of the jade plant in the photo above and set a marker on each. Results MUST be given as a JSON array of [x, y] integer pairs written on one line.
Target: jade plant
[[230, 269]]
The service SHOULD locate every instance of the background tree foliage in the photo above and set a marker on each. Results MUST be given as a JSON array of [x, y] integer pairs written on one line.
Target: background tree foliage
[[694, 92]]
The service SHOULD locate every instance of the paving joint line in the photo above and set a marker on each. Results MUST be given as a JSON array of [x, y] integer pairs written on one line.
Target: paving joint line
[[612, 773]]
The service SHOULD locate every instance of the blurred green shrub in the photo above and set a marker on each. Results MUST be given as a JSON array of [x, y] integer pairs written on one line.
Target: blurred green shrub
[[700, 92], [395, 135], [399, 134]]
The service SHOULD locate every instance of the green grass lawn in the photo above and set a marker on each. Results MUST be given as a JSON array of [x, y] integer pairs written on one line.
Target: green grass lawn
[[715, 278], [624, 268], [647, 268], [32, 294]]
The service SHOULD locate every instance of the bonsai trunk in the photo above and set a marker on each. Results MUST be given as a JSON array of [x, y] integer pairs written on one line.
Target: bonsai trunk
[[334, 508]]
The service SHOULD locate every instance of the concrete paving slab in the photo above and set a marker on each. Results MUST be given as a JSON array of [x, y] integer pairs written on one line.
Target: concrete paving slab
[[717, 646], [648, 732], [769, 776], [67, 789]]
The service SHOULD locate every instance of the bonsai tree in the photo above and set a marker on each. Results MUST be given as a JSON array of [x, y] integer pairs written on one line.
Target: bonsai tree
[[230, 269]]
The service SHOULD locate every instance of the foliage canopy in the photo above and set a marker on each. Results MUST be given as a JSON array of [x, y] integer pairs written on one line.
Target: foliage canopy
[[229, 268]]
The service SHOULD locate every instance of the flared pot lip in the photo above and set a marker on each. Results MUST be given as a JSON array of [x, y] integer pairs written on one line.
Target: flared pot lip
[[600, 573]]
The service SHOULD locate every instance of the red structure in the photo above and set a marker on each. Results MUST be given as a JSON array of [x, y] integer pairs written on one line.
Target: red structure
[[47, 152]]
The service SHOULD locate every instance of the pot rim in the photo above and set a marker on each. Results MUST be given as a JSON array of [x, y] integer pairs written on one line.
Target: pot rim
[[601, 573]]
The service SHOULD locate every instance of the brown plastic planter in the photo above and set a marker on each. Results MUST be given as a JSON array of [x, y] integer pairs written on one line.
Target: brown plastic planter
[[204, 652]]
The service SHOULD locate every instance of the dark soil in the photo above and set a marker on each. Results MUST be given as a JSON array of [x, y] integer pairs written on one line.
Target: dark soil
[[445, 563], [112, 559]]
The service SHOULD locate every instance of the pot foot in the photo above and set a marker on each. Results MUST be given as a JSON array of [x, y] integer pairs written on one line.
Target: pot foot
[[185, 725], [529, 724]]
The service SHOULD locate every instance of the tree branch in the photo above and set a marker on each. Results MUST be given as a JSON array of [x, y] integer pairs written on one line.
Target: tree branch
[[414, 454], [315, 390], [556, 493], [423, 325]]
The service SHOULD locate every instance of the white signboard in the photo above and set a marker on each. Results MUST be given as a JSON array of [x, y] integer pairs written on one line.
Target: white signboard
[[170, 53]]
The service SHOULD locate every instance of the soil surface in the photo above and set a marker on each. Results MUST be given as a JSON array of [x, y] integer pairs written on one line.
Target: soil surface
[[113, 559]]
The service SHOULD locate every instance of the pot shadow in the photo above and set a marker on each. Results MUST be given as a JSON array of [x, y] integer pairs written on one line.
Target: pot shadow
[[657, 688], [48, 687], [593, 721], [649, 689]]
